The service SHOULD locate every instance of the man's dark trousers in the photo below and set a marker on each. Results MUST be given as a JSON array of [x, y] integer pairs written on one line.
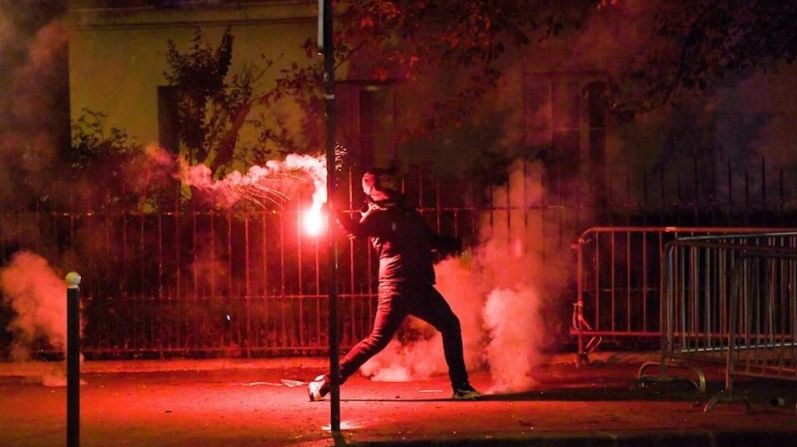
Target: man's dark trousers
[[397, 300]]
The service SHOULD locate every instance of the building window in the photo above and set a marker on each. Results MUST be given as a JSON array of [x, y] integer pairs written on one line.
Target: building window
[[366, 122], [565, 115]]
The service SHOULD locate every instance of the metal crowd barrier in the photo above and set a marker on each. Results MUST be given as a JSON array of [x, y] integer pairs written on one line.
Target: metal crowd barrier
[[731, 300], [619, 283]]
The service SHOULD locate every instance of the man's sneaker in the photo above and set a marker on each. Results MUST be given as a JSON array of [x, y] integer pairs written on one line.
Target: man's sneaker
[[318, 388], [466, 392]]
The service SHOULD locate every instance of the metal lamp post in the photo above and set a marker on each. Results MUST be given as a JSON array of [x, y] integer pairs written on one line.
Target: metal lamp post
[[325, 41]]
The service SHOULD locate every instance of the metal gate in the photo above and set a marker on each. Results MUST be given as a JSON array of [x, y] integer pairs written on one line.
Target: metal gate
[[732, 300], [619, 282]]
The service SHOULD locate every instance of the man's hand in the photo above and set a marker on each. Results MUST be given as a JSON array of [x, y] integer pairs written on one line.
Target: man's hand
[[341, 216], [346, 222]]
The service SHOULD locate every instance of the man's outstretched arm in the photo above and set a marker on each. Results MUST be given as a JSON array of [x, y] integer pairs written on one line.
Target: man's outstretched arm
[[356, 226], [441, 244]]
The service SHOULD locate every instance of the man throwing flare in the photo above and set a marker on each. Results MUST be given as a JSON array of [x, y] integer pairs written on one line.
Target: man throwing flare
[[406, 247]]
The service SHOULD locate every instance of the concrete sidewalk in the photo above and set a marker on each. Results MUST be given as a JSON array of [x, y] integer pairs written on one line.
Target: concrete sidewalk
[[38, 368], [250, 403]]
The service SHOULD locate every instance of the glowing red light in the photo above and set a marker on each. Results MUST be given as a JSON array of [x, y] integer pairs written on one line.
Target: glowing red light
[[313, 221]]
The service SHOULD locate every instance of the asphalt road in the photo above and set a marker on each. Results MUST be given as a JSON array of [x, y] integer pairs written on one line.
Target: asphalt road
[[255, 403]]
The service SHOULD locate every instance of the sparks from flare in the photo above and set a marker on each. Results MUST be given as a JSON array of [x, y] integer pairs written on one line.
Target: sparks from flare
[[267, 186]]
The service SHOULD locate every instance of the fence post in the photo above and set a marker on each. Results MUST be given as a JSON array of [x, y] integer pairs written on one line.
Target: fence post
[[73, 359], [581, 356]]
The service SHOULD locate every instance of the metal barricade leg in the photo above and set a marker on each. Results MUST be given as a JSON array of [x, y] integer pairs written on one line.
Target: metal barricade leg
[[726, 395], [667, 315]]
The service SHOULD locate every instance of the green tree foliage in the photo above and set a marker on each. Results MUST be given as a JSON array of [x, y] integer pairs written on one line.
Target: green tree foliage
[[215, 105], [465, 47], [698, 44], [299, 83], [99, 167], [467, 43], [108, 170], [654, 55], [212, 109], [682, 45]]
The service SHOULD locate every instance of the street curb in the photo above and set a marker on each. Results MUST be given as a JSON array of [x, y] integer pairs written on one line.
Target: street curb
[[698, 438], [39, 368]]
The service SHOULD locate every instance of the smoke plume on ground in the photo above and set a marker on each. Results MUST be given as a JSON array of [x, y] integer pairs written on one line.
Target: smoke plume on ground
[[511, 318], [500, 290], [38, 297]]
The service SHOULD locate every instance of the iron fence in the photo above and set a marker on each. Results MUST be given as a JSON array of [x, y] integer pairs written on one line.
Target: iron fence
[[249, 282], [209, 283]]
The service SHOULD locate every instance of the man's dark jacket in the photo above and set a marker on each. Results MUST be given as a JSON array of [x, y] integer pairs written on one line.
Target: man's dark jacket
[[407, 247]]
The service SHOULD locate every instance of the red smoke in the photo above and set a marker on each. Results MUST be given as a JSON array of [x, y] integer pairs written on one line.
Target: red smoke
[[38, 297], [499, 291]]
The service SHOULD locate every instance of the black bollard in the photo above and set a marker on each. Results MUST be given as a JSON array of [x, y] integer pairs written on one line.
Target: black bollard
[[73, 360]]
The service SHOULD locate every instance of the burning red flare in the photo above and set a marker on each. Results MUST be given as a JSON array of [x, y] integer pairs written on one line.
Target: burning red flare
[[314, 221]]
